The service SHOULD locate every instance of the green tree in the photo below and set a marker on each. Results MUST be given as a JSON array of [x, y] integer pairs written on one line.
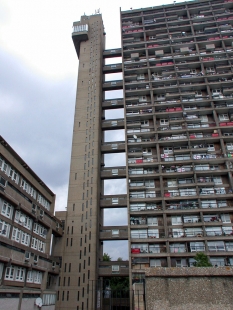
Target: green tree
[[120, 259], [201, 260], [106, 257]]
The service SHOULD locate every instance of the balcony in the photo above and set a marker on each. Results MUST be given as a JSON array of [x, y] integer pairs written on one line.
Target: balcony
[[113, 124], [113, 233], [79, 34], [113, 147], [113, 268], [113, 201], [113, 173]]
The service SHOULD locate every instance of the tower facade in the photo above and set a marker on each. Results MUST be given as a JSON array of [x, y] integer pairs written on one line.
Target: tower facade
[[178, 120]]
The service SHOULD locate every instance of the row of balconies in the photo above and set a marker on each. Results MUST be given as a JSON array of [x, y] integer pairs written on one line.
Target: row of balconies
[[212, 246], [188, 104], [182, 207], [226, 82], [13, 195], [181, 220], [132, 43], [182, 28], [13, 253], [179, 11], [209, 232], [177, 44], [139, 263], [145, 172], [177, 63], [190, 205], [152, 195]]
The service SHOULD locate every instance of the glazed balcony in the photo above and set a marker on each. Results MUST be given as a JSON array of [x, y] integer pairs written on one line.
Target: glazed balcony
[[113, 233], [113, 201], [113, 173], [80, 33], [113, 269], [113, 124]]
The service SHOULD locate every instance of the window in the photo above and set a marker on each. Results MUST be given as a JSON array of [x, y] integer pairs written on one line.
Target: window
[[23, 220], [9, 274], [177, 248], [7, 209], [155, 263], [176, 220], [168, 150], [181, 262], [4, 228], [223, 117], [197, 246], [225, 218], [14, 273], [164, 121], [152, 221], [217, 261], [216, 246], [34, 277], [229, 146]]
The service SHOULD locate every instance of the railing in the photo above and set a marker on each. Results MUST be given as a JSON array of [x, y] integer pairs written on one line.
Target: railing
[[144, 195], [147, 235], [177, 193], [174, 169], [145, 221], [142, 160], [146, 208], [177, 249]]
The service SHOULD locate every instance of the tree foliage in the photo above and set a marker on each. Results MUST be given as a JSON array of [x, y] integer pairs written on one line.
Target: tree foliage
[[201, 260], [106, 257]]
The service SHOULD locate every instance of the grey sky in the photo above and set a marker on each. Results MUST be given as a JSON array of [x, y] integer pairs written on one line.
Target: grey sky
[[38, 83]]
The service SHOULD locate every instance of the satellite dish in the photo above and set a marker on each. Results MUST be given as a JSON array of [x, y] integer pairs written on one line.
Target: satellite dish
[[22, 219], [135, 137], [38, 302]]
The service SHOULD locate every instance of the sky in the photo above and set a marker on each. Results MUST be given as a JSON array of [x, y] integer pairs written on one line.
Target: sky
[[38, 76]]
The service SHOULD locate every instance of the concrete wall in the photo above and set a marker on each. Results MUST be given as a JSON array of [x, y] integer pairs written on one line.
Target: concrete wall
[[189, 288]]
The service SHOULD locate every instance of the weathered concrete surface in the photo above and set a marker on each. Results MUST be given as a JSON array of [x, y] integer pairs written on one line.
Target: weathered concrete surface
[[189, 288]]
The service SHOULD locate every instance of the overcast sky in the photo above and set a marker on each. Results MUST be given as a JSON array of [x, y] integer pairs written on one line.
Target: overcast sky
[[38, 74]]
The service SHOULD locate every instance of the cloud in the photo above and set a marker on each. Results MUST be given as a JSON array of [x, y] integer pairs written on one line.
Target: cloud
[[37, 119]]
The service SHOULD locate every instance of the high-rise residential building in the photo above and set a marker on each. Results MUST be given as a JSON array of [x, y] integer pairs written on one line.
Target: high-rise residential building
[[28, 270], [178, 120]]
